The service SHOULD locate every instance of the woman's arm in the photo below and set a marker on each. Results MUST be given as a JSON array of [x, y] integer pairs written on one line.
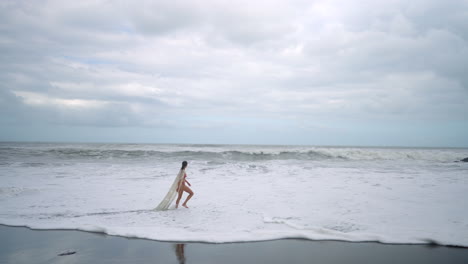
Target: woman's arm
[[188, 183]]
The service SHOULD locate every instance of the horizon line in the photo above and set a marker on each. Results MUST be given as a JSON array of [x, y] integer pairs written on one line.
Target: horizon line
[[231, 144]]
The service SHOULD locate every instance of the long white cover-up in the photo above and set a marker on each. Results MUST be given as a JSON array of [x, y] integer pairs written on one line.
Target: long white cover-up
[[171, 194]]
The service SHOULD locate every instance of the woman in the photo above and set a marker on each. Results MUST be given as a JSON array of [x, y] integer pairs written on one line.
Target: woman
[[177, 187], [181, 187]]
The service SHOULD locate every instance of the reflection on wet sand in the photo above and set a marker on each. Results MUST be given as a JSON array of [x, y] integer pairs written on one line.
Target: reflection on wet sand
[[179, 250]]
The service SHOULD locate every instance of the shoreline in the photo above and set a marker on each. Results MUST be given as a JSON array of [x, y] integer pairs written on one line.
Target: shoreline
[[430, 243], [26, 245]]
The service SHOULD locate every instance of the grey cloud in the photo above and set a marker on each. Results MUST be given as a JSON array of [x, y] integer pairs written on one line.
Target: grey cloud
[[153, 61]]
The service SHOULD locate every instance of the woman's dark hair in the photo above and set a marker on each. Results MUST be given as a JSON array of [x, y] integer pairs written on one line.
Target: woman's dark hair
[[184, 164]]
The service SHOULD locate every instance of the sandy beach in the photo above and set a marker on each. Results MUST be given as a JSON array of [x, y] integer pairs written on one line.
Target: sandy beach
[[23, 245]]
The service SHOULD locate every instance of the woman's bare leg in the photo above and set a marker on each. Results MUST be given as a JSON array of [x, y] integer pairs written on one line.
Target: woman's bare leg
[[181, 191], [187, 189]]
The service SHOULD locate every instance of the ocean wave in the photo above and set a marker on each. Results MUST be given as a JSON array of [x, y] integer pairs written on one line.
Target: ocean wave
[[243, 193], [223, 154], [216, 157]]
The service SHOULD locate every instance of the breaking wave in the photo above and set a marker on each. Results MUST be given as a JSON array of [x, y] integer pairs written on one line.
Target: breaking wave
[[230, 153]]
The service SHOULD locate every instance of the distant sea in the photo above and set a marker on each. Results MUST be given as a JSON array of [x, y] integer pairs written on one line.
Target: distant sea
[[242, 192]]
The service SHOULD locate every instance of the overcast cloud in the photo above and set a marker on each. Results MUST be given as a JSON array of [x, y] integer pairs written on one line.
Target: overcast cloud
[[261, 72]]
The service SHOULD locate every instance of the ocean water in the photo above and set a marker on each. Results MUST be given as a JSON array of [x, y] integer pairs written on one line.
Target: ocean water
[[242, 193]]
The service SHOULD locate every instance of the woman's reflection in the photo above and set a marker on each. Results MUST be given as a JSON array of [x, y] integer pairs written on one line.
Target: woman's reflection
[[179, 250]]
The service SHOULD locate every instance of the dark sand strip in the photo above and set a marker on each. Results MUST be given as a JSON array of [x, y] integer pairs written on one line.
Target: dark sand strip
[[23, 245]]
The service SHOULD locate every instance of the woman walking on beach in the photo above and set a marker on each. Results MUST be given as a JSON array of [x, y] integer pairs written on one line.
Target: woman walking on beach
[[178, 187], [184, 188]]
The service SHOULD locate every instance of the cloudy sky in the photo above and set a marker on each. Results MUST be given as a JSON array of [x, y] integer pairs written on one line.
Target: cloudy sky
[[381, 73]]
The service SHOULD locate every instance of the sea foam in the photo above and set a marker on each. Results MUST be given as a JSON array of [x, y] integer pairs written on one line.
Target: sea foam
[[242, 193]]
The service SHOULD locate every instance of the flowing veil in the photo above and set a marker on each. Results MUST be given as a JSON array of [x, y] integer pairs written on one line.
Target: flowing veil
[[171, 194]]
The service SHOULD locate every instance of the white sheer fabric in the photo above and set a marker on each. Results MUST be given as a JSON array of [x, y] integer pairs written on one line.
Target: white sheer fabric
[[171, 194]]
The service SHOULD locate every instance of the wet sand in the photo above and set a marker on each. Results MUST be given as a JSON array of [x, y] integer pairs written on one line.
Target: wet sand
[[23, 245]]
